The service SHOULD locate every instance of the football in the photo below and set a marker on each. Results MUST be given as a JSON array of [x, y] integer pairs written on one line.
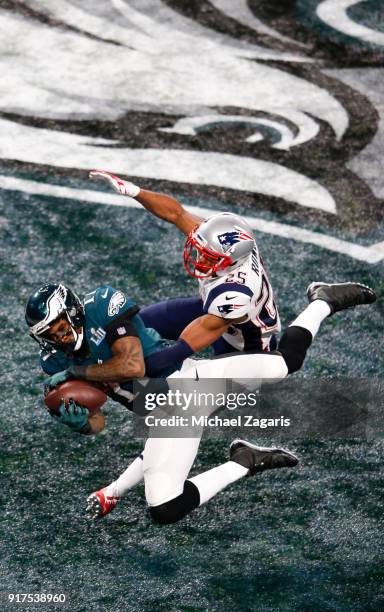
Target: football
[[82, 392]]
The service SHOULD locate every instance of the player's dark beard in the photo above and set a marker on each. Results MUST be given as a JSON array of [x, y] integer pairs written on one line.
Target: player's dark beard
[[68, 348]]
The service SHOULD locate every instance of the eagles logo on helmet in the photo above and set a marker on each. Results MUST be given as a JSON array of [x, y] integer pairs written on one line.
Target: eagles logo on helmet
[[47, 305], [218, 243]]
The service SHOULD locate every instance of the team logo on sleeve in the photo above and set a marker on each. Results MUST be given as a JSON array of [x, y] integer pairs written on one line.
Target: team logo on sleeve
[[116, 302], [228, 239], [227, 308]]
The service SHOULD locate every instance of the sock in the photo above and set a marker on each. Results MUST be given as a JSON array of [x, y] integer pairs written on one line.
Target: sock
[[211, 482], [312, 317], [127, 480]]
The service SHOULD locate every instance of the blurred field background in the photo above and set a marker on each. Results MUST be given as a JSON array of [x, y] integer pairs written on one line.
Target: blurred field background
[[92, 84]]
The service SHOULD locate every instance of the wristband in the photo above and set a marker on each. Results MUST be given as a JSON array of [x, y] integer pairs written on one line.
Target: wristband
[[131, 189], [157, 363], [78, 371]]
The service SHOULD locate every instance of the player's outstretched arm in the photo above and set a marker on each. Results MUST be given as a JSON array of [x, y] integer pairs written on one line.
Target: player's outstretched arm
[[198, 335], [159, 204]]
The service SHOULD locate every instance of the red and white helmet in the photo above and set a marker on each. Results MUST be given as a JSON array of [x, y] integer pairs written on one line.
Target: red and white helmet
[[218, 243]]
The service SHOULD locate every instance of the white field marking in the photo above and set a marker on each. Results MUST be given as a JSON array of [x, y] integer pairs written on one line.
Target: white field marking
[[334, 13], [192, 125], [240, 11], [164, 70], [307, 128], [191, 33], [43, 146], [372, 254]]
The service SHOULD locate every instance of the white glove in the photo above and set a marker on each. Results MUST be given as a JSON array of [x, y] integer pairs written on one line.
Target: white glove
[[123, 187]]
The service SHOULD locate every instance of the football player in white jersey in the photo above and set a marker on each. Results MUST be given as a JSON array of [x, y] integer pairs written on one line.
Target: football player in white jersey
[[166, 462], [221, 252]]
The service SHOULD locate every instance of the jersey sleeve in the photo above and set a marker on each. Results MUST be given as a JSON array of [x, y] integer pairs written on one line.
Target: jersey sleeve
[[112, 310], [121, 327], [106, 304], [229, 302]]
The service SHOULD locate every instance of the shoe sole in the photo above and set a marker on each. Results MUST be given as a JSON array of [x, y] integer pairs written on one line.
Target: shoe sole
[[94, 509], [239, 442]]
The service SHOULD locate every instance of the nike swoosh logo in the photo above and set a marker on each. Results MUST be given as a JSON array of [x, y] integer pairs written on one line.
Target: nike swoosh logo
[[104, 295], [230, 298]]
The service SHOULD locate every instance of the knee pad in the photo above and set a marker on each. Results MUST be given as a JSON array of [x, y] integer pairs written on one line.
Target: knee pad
[[175, 509], [293, 346]]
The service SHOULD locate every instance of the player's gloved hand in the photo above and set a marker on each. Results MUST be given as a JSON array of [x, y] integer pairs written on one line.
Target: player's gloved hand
[[57, 379], [118, 184], [72, 415]]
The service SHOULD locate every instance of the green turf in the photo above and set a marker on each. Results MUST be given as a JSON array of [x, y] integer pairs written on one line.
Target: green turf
[[308, 539]]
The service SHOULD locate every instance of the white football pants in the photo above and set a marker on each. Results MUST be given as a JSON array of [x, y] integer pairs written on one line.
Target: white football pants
[[168, 461]]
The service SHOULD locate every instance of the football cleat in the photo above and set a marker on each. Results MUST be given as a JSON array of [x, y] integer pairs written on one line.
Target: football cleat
[[260, 458], [340, 296], [99, 504]]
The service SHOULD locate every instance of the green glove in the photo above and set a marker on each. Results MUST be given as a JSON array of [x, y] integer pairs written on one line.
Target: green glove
[[73, 415], [57, 379]]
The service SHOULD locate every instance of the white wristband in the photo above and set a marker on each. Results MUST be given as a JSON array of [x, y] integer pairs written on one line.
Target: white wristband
[[131, 189]]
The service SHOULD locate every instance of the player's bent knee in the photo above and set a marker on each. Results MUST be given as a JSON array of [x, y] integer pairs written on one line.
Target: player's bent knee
[[293, 347], [175, 509]]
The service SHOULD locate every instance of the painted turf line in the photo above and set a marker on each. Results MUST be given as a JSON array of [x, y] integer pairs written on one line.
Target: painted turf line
[[370, 254]]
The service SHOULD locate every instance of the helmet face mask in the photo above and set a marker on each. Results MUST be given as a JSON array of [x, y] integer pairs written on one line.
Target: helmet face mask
[[219, 243], [46, 307], [201, 262], [55, 338]]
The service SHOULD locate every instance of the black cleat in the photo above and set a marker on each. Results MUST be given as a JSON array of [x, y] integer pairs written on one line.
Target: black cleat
[[340, 296], [259, 458]]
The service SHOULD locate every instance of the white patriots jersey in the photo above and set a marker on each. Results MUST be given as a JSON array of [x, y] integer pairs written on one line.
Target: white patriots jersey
[[243, 291]]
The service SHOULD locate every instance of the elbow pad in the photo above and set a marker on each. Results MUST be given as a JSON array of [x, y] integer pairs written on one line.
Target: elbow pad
[[157, 363]]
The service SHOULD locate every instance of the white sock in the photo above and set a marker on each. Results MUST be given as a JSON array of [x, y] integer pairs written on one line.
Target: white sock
[[211, 482], [127, 480], [312, 317]]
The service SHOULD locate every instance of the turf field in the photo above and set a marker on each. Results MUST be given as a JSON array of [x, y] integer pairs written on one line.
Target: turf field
[[306, 539]]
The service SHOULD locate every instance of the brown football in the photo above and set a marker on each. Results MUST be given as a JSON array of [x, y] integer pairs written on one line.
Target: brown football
[[82, 392]]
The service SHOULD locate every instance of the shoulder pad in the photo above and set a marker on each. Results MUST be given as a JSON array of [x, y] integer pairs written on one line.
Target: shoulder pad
[[227, 295], [230, 305], [107, 303]]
